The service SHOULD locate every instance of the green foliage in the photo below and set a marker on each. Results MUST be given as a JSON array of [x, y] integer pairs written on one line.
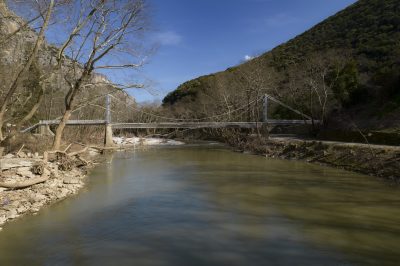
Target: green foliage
[[187, 90], [389, 79]]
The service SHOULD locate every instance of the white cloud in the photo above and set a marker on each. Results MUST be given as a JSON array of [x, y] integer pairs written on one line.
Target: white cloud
[[248, 57], [168, 38]]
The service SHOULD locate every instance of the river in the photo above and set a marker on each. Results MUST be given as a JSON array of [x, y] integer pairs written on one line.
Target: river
[[206, 205]]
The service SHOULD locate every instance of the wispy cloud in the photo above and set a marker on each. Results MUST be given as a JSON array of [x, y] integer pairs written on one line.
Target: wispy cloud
[[168, 38], [281, 20]]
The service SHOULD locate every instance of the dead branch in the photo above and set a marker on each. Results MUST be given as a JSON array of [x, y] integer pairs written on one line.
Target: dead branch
[[69, 146], [78, 152], [23, 145], [24, 184]]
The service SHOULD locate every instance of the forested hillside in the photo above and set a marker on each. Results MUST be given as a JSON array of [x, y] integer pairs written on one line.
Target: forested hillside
[[348, 66]]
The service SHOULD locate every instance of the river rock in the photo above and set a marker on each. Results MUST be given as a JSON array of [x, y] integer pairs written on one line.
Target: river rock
[[22, 209], [62, 193], [71, 180], [36, 207], [25, 172], [37, 198], [3, 219], [12, 214], [22, 155], [8, 156]]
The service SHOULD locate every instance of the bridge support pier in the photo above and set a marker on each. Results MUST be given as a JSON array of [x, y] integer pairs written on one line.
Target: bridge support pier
[[264, 130], [45, 130], [108, 136], [264, 127]]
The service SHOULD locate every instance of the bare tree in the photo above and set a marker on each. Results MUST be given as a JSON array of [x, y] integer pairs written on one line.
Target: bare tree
[[255, 81], [311, 83], [105, 39], [45, 9]]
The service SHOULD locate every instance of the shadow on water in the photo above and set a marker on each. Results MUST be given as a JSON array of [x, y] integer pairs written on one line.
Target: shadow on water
[[209, 206]]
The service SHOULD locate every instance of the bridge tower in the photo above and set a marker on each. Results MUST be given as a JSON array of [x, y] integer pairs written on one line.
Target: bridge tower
[[265, 109], [108, 139], [264, 127]]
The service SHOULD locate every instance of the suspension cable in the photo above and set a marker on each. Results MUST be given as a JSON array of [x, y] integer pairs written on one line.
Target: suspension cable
[[194, 119]]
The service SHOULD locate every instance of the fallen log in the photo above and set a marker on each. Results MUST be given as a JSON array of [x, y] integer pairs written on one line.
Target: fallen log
[[71, 154], [24, 184]]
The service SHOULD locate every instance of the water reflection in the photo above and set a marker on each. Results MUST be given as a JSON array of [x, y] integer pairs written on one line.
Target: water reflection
[[210, 206]]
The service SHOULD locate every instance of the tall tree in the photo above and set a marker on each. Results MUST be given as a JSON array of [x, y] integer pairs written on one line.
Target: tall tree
[[45, 10], [104, 39]]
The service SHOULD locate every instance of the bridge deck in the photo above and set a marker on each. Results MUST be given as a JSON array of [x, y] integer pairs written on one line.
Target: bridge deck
[[69, 123], [175, 125], [195, 125]]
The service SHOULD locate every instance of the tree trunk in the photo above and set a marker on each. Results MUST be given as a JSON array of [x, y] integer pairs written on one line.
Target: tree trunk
[[60, 130], [31, 113], [1, 126]]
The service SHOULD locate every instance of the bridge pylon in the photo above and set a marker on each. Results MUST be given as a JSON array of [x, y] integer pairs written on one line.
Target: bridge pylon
[[108, 134]]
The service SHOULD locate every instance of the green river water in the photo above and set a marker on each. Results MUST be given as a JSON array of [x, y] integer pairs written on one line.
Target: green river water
[[206, 205]]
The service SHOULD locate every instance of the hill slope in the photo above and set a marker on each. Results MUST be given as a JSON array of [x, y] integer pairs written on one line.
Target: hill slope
[[360, 49]]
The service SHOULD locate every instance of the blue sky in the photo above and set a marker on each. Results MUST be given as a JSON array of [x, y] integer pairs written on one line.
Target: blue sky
[[199, 37]]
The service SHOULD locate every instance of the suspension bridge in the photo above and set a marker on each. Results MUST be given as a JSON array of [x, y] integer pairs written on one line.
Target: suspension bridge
[[44, 125]]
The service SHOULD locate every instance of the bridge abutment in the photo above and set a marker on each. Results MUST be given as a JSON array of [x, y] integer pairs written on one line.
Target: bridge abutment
[[108, 136]]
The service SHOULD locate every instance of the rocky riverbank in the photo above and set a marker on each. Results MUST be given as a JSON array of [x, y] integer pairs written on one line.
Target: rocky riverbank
[[30, 183], [375, 160]]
